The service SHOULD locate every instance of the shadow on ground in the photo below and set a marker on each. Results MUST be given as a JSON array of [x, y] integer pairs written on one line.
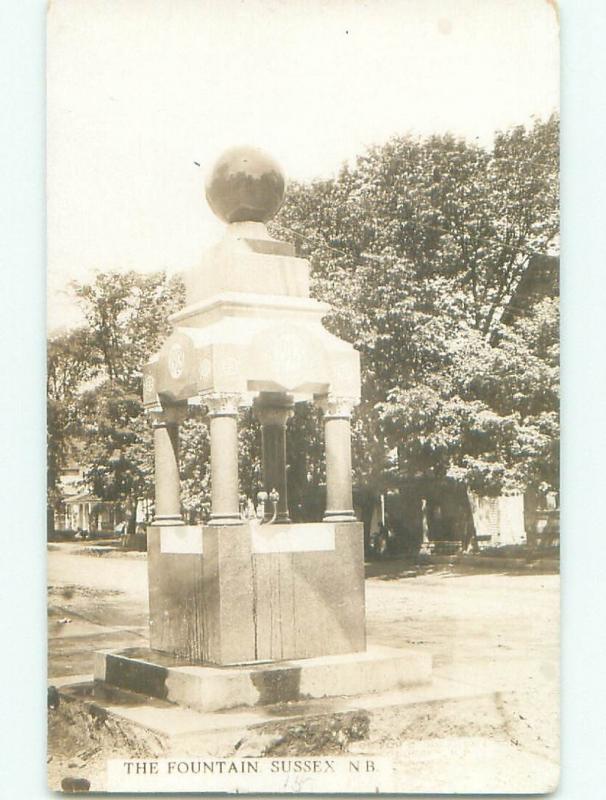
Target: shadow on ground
[[399, 568]]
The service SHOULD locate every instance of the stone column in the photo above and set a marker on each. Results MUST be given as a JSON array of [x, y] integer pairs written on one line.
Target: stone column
[[223, 414], [273, 411], [166, 456], [337, 439]]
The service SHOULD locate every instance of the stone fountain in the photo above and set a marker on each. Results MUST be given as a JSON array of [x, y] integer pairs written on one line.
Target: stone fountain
[[247, 610]]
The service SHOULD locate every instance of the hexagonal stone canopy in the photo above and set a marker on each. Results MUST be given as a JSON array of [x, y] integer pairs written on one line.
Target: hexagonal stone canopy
[[242, 352]]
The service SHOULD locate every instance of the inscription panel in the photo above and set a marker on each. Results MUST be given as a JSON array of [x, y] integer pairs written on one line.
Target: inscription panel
[[304, 538], [184, 539]]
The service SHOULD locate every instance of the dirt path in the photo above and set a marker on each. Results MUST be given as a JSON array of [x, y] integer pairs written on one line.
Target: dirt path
[[474, 624], [494, 635]]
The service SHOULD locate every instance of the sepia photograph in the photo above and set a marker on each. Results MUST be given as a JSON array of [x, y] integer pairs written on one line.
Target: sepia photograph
[[303, 417]]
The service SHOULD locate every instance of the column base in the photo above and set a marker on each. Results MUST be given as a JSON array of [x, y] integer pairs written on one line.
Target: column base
[[227, 519], [168, 521], [345, 515]]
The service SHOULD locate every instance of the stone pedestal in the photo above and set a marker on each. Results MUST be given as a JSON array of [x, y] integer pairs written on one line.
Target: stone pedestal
[[249, 593]]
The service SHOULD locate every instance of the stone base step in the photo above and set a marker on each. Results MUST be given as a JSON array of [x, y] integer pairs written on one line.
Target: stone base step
[[211, 689]]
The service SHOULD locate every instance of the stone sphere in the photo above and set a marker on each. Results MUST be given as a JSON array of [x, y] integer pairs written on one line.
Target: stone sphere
[[245, 185]]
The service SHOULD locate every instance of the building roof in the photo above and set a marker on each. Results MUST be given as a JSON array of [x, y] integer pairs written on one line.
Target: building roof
[[84, 497]]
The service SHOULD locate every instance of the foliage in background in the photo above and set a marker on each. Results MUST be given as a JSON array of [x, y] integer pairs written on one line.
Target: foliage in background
[[95, 415], [194, 448], [70, 363], [419, 248]]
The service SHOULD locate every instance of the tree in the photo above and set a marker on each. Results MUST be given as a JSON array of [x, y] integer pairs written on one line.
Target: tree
[[419, 247], [194, 448], [95, 383], [70, 363], [127, 319], [118, 453]]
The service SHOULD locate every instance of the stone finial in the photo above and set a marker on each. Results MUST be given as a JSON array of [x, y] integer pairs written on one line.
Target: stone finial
[[245, 185]]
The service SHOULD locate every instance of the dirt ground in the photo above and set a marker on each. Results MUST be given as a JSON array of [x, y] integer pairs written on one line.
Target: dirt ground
[[493, 635]]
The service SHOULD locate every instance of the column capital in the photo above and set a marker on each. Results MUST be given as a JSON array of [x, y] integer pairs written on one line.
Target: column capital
[[221, 404], [335, 407], [161, 416], [277, 416]]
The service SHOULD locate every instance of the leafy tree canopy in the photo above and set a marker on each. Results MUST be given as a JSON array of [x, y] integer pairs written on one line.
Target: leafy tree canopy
[[95, 412], [419, 247]]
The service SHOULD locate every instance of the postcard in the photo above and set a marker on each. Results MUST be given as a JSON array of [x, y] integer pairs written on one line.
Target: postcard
[[303, 396]]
